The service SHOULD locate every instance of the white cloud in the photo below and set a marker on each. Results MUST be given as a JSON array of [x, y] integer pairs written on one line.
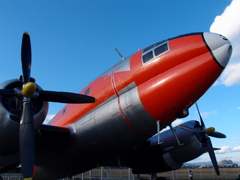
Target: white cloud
[[174, 123], [48, 118], [236, 149], [224, 149], [231, 74], [228, 149], [228, 25], [229, 154], [207, 114], [177, 122]]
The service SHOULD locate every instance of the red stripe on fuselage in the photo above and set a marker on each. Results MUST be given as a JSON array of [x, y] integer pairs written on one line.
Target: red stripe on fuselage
[[119, 105]]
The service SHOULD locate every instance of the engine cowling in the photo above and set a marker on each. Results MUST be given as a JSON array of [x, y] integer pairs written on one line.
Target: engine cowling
[[10, 115], [154, 157]]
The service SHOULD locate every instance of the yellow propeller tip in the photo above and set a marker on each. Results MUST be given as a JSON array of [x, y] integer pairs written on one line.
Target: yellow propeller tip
[[96, 100], [30, 178], [210, 130], [219, 177], [26, 33]]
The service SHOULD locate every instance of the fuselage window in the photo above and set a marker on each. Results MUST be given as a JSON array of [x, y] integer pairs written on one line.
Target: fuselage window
[[87, 91], [147, 57], [161, 49]]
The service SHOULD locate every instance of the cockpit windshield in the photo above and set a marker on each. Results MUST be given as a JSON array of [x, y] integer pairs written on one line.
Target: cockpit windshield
[[154, 50]]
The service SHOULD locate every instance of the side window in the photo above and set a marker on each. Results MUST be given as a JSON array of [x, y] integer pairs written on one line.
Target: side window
[[161, 49], [87, 91], [147, 57]]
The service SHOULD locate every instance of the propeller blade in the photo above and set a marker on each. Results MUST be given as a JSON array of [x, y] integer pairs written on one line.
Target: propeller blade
[[211, 132], [201, 120], [217, 135], [65, 97], [212, 156], [26, 57], [27, 140], [7, 92], [187, 128]]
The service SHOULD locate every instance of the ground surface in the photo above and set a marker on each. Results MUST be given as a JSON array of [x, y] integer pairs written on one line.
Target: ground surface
[[118, 174]]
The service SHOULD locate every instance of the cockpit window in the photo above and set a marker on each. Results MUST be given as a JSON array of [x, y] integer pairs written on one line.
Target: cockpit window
[[158, 48], [161, 49], [146, 57]]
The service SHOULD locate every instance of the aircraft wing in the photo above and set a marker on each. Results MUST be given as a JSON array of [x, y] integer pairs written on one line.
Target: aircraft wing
[[51, 141]]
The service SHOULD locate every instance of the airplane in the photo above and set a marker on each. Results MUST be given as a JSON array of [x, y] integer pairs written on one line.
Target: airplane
[[114, 114]]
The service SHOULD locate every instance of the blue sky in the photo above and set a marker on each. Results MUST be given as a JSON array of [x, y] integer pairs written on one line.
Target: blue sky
[[73, 42]]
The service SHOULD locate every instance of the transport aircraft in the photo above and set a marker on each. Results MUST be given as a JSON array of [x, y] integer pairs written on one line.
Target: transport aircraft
[[116, 114]]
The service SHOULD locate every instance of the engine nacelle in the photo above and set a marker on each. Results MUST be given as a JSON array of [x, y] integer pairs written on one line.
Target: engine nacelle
[[10, 113], [154, 157]]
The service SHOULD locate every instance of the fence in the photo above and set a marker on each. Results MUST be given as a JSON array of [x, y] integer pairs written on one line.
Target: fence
[[12, 177], [126, 174]]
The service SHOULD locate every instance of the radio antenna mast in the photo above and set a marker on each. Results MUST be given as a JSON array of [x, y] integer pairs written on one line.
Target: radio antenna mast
[[120, 54]]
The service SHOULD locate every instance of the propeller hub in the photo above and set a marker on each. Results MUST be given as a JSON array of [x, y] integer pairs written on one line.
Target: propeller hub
[[209, 130], [29, 89]]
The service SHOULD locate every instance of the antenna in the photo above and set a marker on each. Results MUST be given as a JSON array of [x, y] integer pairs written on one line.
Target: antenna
[[120, 54]]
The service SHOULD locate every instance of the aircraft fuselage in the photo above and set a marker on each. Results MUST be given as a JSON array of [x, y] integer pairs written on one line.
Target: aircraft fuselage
[[154, 84]]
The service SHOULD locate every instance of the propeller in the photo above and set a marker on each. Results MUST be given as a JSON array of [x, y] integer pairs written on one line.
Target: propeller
[[206, 132], [28, 92], [26, 132]]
